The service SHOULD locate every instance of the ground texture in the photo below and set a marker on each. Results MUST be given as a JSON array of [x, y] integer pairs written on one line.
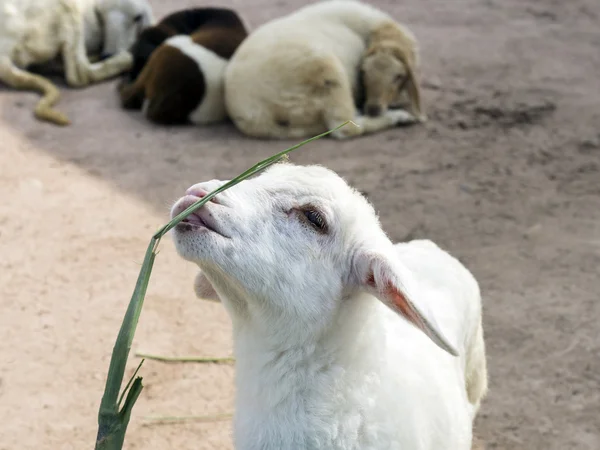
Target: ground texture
[[506, 175]]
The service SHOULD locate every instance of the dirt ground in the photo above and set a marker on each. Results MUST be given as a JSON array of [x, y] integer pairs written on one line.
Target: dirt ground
[[506, 175]]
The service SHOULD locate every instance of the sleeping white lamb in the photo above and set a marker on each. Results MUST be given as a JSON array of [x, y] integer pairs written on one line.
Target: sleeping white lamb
[[305, 73], [36, 32], [342, 339]]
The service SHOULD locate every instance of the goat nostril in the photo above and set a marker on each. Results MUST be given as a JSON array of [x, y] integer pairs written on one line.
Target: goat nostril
[[196, 192], [373, 110], [200, 193]]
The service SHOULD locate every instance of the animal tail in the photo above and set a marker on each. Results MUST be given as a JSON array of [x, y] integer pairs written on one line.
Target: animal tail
[[20, 79], [476, 370]]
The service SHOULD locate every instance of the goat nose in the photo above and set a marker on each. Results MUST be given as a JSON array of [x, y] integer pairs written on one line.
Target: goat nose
[[373, 110], [196, 191], [181, 206]]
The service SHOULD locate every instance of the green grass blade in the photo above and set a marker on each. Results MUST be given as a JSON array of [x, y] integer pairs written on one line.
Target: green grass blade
[[114, 440], [129, 382], [118, 361], [163, 420], [112, 423], [186, 359]]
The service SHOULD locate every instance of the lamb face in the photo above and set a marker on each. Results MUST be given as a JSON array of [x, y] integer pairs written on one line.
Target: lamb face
[[288, 247], [284, 239]]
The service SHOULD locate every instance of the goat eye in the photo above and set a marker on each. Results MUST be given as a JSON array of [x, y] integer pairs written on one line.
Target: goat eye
[[137, 19], [315, 218]]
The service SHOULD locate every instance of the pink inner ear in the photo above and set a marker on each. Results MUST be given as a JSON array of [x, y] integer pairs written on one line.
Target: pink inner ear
[[400, 304], [396, 300], [371, 280]]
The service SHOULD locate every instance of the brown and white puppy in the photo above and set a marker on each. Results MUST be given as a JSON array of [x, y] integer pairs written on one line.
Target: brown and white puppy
[[183, 80], [186, 21]]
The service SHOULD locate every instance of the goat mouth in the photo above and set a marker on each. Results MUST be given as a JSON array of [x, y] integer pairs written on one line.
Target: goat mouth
[[195, 222]]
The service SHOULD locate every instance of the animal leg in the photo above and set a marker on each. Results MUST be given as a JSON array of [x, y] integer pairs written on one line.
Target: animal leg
[[366, 124], [110, 67], [79, 71], [20, 79], [133, 94]]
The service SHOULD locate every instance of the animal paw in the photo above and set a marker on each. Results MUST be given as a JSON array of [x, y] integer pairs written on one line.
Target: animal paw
[[123, 60]]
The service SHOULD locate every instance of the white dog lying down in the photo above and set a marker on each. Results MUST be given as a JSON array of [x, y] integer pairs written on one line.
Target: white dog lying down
[[300, 75], [34, 32]]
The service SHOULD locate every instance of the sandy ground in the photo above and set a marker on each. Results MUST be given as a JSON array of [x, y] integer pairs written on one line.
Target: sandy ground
[[506, 175]]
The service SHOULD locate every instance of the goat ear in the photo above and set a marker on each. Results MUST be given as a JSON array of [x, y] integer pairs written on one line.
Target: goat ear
[[204, 289], [392, 283], [413, 87], [414, 91]]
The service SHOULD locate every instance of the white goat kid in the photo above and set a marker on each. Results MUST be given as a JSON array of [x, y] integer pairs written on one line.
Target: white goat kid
[[314, 288], [38, 31]]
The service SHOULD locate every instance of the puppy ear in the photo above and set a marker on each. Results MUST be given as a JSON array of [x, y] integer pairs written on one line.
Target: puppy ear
[[204, 289]]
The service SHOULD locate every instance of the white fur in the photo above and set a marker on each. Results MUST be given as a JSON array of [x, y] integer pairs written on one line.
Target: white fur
[[305, 67], [212, 106], [323, 360], [37, 31]]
